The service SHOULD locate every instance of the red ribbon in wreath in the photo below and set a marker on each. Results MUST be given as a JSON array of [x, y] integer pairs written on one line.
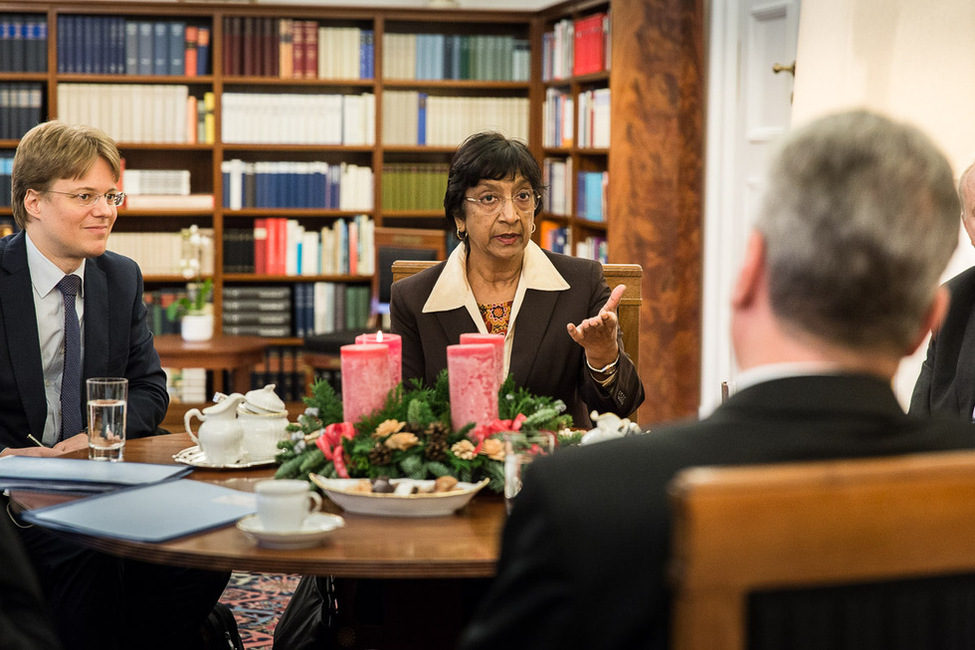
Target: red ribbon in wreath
[[330, 442]]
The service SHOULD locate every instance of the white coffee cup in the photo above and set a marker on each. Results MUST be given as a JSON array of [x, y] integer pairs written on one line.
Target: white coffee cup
[[283, 505]]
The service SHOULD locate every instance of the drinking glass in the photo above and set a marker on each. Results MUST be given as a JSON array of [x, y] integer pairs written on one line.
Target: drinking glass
[[107, 399], [520, 449]]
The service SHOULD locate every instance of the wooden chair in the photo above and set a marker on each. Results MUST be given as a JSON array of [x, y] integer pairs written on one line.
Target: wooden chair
[[764, 552], [629, 309]]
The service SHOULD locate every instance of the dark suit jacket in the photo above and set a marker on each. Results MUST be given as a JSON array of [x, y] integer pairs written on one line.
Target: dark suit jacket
[[117, 344], [544, 358], [583, 560], [25, 621], [946, 384]]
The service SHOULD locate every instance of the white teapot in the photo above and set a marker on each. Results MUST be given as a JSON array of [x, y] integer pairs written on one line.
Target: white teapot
[[263, 418], [220, 435]]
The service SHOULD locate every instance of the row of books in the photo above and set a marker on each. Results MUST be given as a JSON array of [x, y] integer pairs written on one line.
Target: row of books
[[187, 385], [23, 42], [290, 184], [117, 45], [158, 113], [591, 195], [553, 237], [300, 310], [455, 56], [279, 246], [576, 47], [594, 116], [158, 253], [557, 176], [21, 107], [593, 248], [156, 181], [557, 118], [414, 186], [326, 307], [284, 367], [296, 49], [413, 118], [265, 118]]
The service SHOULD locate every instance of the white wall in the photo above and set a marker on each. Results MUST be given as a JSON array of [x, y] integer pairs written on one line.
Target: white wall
[[912, 59]]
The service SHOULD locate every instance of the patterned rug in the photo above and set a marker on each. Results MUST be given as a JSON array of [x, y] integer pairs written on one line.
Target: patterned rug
[[258, 600]]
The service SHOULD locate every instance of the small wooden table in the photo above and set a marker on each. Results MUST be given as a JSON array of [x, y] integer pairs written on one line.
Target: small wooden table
[[463, 545], [238, 354]]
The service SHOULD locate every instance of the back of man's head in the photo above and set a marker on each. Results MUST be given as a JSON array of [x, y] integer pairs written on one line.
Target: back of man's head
[[859, 220]]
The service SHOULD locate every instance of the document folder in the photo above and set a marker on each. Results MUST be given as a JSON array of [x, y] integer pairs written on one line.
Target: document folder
[[150, 513], [78, 475]]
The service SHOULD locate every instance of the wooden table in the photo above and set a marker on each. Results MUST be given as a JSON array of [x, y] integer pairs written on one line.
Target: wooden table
[[463, 545], [238, 354]]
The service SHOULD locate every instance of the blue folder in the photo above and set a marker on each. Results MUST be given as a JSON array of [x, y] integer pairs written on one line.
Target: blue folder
[[78, 475], [149, 513]]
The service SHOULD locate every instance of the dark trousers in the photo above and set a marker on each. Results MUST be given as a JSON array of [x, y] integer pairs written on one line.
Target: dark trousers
[[107, 603], [344, 613]]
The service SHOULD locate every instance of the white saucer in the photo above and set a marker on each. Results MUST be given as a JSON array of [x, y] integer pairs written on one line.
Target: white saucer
[[316, 527], [194, 457]]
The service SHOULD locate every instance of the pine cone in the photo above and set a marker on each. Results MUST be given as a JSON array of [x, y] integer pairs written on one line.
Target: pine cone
[[380, 455], [436, 447]]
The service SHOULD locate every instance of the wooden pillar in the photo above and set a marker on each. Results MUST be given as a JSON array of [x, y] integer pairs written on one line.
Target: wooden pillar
[[656, 180]]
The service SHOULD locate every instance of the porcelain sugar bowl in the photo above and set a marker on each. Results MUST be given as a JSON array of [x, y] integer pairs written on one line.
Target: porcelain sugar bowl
[[264, 420]]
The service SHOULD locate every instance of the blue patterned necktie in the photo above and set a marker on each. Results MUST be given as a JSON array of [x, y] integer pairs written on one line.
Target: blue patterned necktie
[[71, 420]]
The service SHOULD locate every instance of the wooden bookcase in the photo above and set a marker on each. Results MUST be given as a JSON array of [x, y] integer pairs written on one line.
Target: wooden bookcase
[[654, 161]]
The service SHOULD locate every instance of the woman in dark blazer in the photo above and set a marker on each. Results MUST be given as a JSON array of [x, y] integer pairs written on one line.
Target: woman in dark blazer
[[556, 312]]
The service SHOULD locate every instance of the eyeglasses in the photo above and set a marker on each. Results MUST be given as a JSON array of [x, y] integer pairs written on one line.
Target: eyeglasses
[[88, 199], [491, 204]]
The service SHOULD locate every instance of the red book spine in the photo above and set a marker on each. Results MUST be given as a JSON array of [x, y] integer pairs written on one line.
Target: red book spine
[[281, 243], [189, 56], [260, 246], [298, 48], [250, 46], [311, 49], [268, 48]]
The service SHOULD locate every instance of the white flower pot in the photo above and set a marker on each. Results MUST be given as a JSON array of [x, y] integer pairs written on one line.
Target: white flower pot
[[197, 327]]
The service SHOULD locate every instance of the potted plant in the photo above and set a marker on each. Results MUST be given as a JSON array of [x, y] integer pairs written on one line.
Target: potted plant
[[194, 311]]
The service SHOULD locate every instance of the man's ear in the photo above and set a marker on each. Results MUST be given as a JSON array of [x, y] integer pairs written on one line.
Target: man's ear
[[32, 203], [933, 318], [752, 271]]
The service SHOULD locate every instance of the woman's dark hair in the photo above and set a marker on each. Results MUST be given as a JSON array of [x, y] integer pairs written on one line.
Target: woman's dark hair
[[487, 155]]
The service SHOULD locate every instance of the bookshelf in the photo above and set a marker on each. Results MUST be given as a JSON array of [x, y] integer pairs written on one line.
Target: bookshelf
[[653, 161]]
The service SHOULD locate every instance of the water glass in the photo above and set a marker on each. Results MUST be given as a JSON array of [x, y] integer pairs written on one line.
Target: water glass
[[107, 399], [520, 449]]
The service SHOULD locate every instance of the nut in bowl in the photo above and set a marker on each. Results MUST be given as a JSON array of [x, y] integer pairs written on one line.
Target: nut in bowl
[[415, 498]]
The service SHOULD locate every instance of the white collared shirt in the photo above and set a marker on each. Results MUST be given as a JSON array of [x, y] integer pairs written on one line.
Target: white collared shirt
[[49, 309], [452, 290]]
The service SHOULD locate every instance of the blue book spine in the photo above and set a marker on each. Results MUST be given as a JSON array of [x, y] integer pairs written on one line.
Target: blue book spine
[[62, 44], [145, 47], [225, 174], [131, 47], [203, 51], [17, 31], [160, 48], [421, 119], [177, 48], [37, 61]]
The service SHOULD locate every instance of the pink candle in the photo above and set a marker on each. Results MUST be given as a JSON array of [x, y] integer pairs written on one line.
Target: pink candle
[[395, 344], [497, 341], [365, 379], [473, 384]]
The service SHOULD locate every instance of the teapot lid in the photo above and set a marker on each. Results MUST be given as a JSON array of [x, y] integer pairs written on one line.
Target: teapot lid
[[264, 400]]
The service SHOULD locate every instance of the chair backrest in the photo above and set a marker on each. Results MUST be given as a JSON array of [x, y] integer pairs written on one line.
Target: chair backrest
[[902, 526], [393, 244], [628, 312]]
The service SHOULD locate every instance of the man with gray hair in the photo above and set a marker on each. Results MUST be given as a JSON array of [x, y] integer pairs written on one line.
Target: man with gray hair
[[839, 282], [946, 383]]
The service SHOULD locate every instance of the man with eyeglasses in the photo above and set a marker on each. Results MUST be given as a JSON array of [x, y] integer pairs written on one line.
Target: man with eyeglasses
[[70, 310]]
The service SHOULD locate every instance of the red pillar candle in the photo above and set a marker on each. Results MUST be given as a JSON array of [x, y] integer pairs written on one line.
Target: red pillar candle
[[473, 384], [395, 344], [497, 341], [365, 379]]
